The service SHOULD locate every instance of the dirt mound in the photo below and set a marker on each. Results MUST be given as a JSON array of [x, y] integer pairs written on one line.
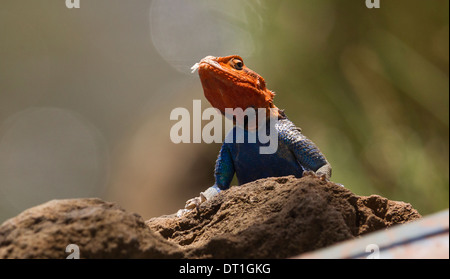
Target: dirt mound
[[98, 228], [268, 218], [279, 218]]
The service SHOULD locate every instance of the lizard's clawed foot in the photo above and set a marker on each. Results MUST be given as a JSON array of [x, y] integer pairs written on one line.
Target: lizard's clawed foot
[[182, 212], [309, 173], [194, 202], [191, 204], [321, 176]]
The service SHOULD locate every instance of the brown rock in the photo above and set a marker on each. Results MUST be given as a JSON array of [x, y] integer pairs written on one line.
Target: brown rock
[[279, 218], [268, 218], [100, 229]]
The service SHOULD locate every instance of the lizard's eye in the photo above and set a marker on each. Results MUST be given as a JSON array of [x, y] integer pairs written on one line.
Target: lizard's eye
[[237, 64]]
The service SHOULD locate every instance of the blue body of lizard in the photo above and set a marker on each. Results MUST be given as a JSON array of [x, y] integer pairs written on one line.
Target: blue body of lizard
[[294, 155]]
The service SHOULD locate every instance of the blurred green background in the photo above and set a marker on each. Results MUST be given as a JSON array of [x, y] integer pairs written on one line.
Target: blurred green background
[[86, 94]]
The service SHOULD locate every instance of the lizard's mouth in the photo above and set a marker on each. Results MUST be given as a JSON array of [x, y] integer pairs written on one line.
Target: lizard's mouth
[[209, 60], [211, 65]]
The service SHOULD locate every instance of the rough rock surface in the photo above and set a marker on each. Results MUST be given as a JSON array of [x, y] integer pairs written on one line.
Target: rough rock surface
[[100, 229], [279, 218], [268, 218]]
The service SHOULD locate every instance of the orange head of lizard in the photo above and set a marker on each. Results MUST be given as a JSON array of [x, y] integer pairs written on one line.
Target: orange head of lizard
[[228, 83]]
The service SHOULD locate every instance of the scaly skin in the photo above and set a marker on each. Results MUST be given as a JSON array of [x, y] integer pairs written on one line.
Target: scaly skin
[[228, 83]]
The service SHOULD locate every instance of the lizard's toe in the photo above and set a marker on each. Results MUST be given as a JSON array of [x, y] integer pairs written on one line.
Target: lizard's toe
[[309, 173], [182, 212]]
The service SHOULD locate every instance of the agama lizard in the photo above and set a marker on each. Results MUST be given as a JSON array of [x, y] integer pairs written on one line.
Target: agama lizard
[[228, 83]]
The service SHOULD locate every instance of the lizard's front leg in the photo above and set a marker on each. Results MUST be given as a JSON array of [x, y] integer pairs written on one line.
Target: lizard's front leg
[[224, 172]]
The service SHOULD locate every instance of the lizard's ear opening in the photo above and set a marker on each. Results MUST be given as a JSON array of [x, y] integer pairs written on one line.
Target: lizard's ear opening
[[262, 86]]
